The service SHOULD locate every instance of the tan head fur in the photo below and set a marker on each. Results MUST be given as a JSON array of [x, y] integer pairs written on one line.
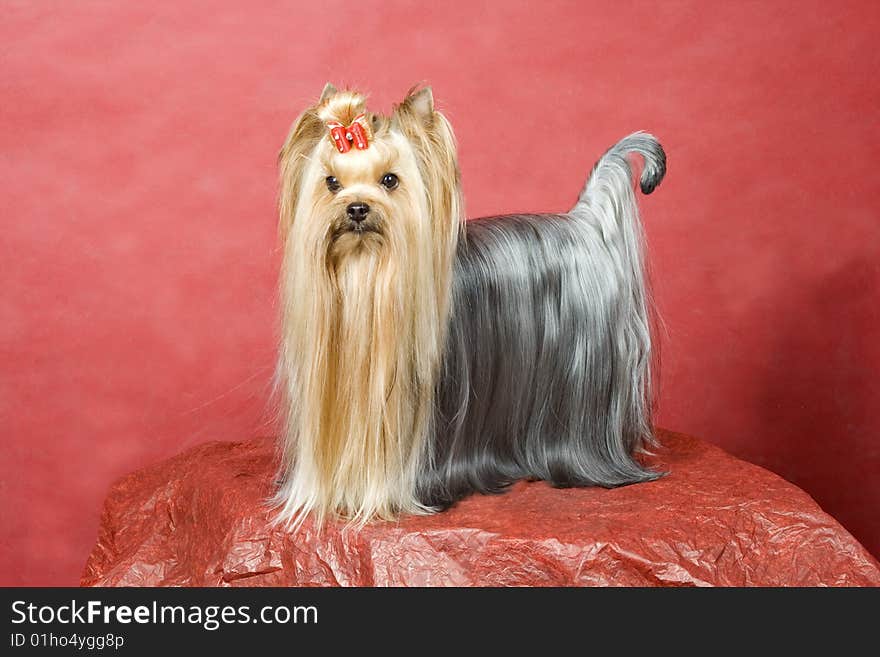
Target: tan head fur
[[364, 304]]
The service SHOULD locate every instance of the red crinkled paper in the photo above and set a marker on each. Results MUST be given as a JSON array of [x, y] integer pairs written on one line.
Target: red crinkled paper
[[200, 519]]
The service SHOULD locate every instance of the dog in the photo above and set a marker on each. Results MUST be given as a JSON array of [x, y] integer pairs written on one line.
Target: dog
[[424, 358]]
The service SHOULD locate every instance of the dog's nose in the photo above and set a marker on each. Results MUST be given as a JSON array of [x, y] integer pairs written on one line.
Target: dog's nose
[[357, 211]]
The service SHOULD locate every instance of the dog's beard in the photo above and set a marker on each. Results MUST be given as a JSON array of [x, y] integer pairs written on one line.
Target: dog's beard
[[361, 346]]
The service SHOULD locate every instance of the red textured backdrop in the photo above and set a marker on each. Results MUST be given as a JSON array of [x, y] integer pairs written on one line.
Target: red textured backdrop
[[138, 256]]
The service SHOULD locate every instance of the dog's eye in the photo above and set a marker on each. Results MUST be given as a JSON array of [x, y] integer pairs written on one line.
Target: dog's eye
[[332, 184], [389, 181]]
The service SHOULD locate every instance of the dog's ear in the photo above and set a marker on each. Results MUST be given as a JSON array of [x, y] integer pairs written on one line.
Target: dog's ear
[[418, 104], [433, 142], [421, 102], [293, 159], [329, 91]]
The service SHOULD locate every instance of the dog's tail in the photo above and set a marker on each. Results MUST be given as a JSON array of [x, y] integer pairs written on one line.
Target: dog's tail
[[608, 204], [611, 180]]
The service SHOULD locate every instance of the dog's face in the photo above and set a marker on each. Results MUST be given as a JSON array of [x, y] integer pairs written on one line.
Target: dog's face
[[369, 199], [395, 197]]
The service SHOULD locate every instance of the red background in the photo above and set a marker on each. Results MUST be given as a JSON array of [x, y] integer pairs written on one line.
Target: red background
[[138, 256]]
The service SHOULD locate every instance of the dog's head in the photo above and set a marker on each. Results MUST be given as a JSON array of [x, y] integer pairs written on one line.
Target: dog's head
[[359, 184]]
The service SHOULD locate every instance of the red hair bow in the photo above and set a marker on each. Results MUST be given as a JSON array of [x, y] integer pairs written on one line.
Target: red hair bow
[[357, 133]]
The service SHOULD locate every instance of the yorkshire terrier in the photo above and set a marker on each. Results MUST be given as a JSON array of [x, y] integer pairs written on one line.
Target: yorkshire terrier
[[424, 358]]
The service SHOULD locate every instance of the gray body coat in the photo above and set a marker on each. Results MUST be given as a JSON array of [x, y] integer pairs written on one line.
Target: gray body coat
[[548, 361]]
